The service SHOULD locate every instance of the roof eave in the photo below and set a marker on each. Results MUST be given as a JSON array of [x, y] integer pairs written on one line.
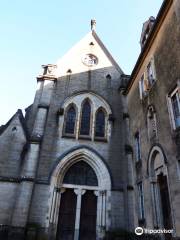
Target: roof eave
[[159, 20]]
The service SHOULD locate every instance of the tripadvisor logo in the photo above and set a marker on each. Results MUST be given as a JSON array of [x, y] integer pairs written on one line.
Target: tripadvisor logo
[[138, 231]]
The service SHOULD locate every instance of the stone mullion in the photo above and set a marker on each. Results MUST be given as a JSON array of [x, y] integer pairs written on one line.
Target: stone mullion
[[51, 214], [79, 193], [101, 213]]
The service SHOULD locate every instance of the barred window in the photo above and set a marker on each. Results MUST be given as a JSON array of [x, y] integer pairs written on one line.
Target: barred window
[[85, 118], [100, 123], [70, 120]]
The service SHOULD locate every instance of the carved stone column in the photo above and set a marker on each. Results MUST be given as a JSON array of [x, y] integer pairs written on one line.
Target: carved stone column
[[54, 211], [101, 213], [79, 193]]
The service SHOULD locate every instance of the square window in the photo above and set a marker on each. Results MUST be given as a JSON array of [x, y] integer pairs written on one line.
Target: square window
[[174, 106]]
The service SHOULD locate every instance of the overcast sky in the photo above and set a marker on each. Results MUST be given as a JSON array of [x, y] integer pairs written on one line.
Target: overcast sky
[[36, 32]]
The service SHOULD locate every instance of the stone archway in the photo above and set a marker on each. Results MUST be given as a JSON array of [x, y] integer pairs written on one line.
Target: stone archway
[[99, 193], [158, 175]]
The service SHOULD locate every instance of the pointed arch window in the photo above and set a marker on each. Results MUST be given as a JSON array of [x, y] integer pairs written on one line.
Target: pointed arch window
[[100, 123], [81, 174], [85, 118], [70, 120]]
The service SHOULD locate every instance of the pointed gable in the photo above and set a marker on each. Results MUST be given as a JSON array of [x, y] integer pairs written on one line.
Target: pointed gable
[[75, 59], [17, 120]]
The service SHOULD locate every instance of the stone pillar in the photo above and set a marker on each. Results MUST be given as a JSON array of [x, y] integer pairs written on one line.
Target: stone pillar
[[28, 174], [21, 210], [129, 192], [54, 211], [79, 193], [39, 90], [40, 121], [130, 203], [101, 214], [48, 87]]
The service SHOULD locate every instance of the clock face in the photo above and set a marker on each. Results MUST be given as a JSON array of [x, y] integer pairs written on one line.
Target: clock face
[[90, 60]]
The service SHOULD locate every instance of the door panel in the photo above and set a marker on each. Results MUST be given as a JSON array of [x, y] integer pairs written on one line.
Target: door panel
[[67, 213], [165, 203], [88, 216]]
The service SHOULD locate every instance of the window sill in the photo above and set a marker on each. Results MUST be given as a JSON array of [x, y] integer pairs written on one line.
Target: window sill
[[85, 137], [100, 139], [68, 136]]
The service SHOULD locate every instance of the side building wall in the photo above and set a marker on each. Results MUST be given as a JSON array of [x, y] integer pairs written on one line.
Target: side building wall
[[165, 52]]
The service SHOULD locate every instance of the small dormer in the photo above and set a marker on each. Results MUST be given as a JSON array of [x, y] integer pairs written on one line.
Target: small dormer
[[147, 26]]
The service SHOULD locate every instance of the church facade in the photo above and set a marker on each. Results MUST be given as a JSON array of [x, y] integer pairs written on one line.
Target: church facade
[[97, 150]]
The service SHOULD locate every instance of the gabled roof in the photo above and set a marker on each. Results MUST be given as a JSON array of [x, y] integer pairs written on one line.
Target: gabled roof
[[108, 54], [18, 114], [90, 44]]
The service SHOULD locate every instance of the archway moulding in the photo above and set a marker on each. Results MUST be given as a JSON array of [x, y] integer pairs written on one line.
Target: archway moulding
[[91, 158], [156, 149]]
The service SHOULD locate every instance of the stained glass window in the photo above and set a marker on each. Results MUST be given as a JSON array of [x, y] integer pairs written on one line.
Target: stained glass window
[[81, 174], [70, 120], [100, 124], [85, 118]]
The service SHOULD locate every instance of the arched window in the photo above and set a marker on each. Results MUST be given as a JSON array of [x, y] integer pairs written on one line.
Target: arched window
[[70, 120], [85, 118], [100, 123], [81, 174]]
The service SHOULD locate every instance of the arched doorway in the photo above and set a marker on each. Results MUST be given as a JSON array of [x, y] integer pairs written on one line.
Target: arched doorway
[[78, 207], [80, 195], [162, 216]]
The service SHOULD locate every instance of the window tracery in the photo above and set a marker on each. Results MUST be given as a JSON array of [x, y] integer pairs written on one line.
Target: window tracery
[[86, 116], [81, 174]]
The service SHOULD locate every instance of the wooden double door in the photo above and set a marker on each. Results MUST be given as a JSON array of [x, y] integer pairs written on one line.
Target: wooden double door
[[77, 219]]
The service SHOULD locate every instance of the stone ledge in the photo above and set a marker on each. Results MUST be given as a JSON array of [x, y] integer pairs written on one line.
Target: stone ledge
[[43, 105], [17, 179]]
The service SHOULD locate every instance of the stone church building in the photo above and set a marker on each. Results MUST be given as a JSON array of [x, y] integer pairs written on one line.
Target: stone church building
[[98, 150]]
